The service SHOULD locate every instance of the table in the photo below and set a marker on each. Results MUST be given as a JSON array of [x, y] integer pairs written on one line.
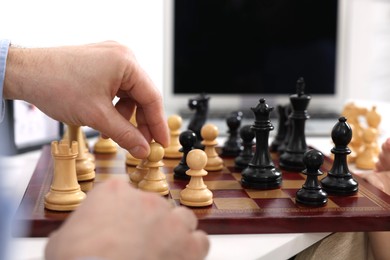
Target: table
[[19, 168]]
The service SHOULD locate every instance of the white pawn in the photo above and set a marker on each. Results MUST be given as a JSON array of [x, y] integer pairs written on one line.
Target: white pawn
[[105, 145], [65, 193], [172, 151], [139, 173], [209, 133], [155, 180], [196, 193], [131, 160]]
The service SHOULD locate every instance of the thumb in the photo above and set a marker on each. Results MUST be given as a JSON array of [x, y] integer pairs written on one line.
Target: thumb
[[125, 134]]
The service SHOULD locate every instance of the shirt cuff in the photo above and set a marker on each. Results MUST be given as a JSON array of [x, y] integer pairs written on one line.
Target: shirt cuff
[[4, 46]]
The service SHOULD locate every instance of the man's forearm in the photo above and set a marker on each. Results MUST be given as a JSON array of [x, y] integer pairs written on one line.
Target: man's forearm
[[20, 72]]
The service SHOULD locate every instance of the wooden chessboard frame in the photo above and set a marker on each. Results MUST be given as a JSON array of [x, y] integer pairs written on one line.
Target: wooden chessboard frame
[[235, 210]]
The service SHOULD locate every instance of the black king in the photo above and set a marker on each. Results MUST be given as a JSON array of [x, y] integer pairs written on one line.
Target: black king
[[292, 158]]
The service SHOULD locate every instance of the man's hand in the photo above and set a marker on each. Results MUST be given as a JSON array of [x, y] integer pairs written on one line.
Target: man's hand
[[76, 85], [383, 163], [119, 222]]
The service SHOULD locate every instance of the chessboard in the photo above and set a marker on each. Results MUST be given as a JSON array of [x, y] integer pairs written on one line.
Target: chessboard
[[235, 210]]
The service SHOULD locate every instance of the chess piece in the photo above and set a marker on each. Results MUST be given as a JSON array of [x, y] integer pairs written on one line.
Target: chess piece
[[354, 148], [209, 134], [131, 160], [201, 106], [232, 146], [65, 193], [292, 158], [187, 140], [86, 186], [105, 145], [339, 180], [367, 157], [288, 125], [311, 193], [140, 171], [261, 172], [65, 138], [155, 180], [373, 120], [172, 151], [246, 155], [282, 129], [85, 168], [196, 193], [354, 113]]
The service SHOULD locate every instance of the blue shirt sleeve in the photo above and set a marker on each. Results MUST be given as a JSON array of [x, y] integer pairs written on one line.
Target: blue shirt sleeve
[[5, 216], [4, 45]]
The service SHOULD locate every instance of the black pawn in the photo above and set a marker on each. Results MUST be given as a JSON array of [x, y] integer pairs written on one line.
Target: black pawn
[[261, 172], [292, 158], [232, 146], [247, 135], [201, 106], [311, 193], [282, 129], [187, 139], [339, 180]]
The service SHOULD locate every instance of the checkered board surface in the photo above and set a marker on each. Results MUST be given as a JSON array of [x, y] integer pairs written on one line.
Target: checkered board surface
[[235, 210]]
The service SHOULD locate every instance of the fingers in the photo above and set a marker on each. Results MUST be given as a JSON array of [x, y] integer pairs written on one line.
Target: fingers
[[51, 246], [198, 243], [201, 243], [378, 167], [386, 145], [124, 133], [125, 107], [185, 216], [379, 164], [383, 163], [135, 89], [151, 119], [150, 111], [146, 130]]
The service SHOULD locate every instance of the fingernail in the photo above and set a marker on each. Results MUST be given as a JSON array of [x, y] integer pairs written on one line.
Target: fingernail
[[138, 151], [134, 150]]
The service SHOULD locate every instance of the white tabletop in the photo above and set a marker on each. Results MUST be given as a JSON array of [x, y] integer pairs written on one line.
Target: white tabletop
[[18, 171]]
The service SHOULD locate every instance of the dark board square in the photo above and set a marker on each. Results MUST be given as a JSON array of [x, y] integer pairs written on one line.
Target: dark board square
[[353, 202], [218, 176], [293, 176], [229, 194], [273, 203]]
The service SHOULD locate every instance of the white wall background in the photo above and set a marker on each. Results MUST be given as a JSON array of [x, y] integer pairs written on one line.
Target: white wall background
[[367, 66], [139, 25]]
